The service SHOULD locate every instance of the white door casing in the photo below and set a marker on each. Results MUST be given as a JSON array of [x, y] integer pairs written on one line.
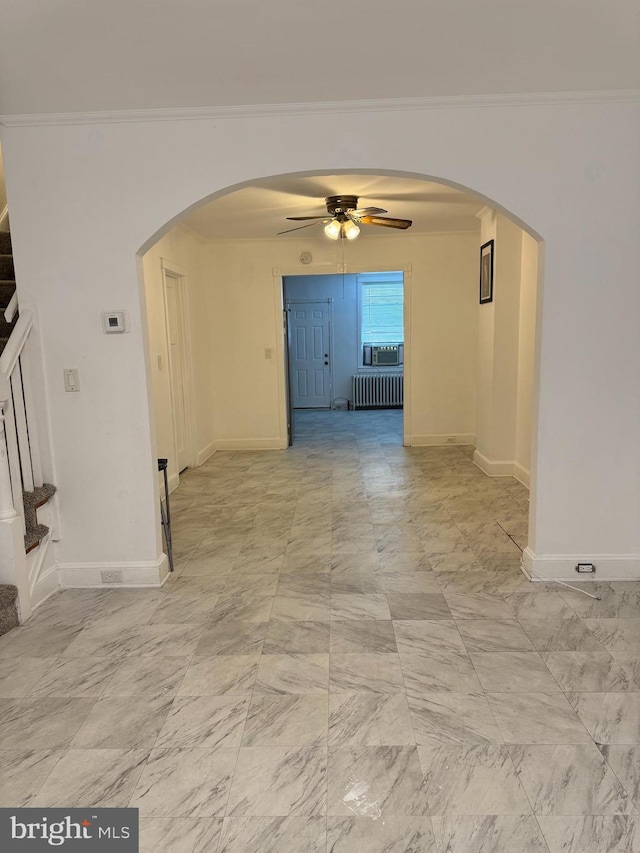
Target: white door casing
[[177, 364], [280, 302]]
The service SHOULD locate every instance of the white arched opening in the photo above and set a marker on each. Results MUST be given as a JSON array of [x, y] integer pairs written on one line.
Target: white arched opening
[[498, 410]]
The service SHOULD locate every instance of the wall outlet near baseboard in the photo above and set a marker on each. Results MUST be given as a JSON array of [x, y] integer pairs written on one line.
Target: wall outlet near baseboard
[[585, 568], [111, 577]]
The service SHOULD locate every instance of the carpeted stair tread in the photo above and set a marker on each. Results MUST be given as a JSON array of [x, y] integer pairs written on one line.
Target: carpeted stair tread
[[8, 608], [34, 536], [8, 595], [35, 532], [39, 496], [5, 243], [8, 619]]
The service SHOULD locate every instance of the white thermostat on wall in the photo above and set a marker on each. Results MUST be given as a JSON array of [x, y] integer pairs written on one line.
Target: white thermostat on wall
[[114, 322]]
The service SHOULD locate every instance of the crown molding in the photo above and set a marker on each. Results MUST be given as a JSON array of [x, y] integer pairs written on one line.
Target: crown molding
[[485, 211], [614, 96], [323, 241], [191, 232]]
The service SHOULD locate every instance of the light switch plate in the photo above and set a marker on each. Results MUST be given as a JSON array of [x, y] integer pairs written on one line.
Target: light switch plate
[[71, 379]]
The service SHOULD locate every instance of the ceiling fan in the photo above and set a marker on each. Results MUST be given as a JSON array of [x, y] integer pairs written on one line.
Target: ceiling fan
[[344, 218]]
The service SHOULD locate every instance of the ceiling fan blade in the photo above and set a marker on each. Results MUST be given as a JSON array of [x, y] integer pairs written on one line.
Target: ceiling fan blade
[[299, 228], [387, 222], [302, 218], [367, 211]]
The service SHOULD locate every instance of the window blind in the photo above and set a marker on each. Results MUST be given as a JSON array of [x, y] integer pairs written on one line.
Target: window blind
[[382, 312]]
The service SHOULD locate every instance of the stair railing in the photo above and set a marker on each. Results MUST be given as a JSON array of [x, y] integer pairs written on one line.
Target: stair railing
[[12, 308], [20, 459], [16, 402]]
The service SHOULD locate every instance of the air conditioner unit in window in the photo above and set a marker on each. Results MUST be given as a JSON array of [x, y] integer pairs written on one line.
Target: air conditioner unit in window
[[387, 355]]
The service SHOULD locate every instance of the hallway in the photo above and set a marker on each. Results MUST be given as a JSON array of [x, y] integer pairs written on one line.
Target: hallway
[[347, 658]]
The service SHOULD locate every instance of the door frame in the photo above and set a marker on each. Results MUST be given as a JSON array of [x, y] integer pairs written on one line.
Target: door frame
[[287, 384], [280, 273], [179, 279], [288, 303]]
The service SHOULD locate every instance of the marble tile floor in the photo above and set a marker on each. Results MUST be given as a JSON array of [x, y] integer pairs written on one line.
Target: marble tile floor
[[347, 658]]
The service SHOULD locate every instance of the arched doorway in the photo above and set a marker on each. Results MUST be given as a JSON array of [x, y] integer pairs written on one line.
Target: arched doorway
[[491, 335]]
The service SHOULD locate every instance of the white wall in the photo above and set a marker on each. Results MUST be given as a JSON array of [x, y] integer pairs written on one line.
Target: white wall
[[506, 349], [86, 197], [441, 344], [526, 356], [486, 354], [189, 253], [506, 303]]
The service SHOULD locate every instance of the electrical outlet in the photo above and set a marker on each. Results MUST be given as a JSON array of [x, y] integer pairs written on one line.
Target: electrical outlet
[[586, 569], [111, 577]]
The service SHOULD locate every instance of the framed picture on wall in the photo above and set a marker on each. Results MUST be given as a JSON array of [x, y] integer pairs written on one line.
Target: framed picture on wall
[[486, 272]]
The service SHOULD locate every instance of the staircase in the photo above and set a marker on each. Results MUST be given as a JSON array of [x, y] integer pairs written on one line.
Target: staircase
[[7, 286], [39, 495], [35, 532]]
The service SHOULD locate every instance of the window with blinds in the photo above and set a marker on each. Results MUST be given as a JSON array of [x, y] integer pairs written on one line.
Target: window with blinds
[[381, 308]]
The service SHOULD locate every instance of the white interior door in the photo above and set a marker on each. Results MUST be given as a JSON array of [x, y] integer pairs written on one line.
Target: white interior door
[[309, 353], [177, 368]]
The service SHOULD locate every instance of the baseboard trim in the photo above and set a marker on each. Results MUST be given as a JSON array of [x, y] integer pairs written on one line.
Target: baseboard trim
[[609, 567], [88, 575], [491, 467], [206, 453], [441, 440], [522, 475], [248, 444]]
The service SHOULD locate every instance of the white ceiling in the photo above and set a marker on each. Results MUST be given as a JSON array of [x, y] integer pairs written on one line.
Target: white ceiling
[[259, 211], [94, 55]]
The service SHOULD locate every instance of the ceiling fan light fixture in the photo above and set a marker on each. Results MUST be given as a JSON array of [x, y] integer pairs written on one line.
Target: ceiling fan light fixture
[[345, 218], [350, 229], [333, 229]]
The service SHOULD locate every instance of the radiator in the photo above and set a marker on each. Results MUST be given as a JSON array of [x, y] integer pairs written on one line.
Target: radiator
[[377, 390]]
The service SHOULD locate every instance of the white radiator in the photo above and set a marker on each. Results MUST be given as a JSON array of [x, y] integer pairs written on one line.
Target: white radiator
[[377, 390]]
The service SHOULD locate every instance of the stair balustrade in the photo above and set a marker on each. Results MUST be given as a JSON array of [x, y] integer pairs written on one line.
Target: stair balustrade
[[16, 399], [20, 459]]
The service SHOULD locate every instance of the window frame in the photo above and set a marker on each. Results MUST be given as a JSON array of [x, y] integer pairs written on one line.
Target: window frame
[[362, 279]]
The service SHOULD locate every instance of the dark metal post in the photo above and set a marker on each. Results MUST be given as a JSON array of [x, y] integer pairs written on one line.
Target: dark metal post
[[165, 511]]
